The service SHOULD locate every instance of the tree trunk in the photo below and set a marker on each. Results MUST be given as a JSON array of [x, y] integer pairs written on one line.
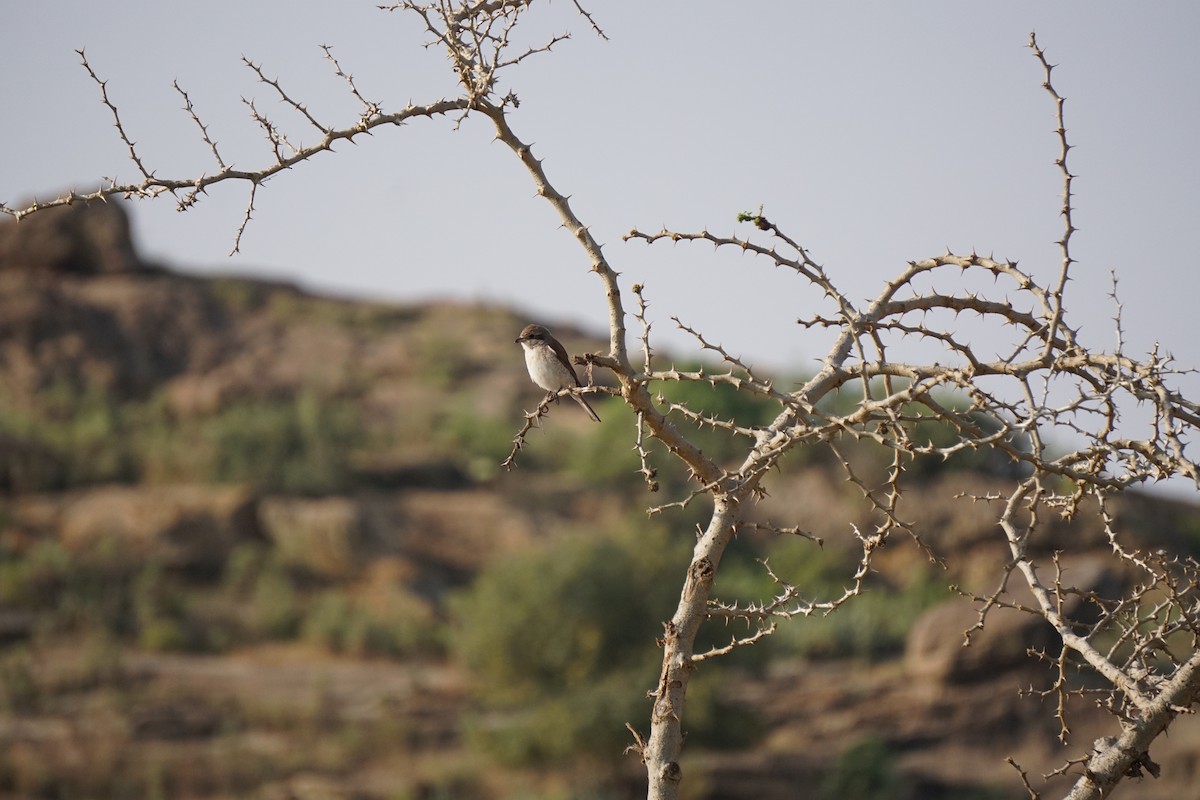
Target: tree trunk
[[662, 751]]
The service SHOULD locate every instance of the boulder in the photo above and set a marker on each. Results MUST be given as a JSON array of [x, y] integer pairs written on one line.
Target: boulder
[[328, 536], [187, 527], [90, 238], [935, 652], [27, 465]]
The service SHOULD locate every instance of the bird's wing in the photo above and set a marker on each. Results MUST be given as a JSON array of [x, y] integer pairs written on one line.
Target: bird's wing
[[561, 352]]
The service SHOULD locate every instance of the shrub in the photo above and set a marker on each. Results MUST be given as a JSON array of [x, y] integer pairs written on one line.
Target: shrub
[[560, 641], [480, 442], [866, 771], [71, 436], [870, 626], [721, 401], [271, 601], [300, 444], [396, 626], [20, 692], [76, 436]]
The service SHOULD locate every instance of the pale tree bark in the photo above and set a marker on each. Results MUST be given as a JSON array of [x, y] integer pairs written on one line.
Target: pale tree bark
[[1048, 381]]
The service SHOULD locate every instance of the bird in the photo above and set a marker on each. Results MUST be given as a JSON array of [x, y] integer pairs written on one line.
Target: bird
[[548, 364]]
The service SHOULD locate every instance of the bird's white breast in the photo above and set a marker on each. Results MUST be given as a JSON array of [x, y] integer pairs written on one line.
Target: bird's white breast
[[545, 368]]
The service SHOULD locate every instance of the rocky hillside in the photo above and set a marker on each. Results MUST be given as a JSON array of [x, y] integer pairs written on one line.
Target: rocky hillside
[[253, 543]]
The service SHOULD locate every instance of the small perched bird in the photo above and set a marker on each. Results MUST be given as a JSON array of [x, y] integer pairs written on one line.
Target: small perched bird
[[548, 364]]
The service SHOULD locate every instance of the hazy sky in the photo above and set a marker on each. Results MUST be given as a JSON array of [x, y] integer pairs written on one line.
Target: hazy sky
[[873, 132]]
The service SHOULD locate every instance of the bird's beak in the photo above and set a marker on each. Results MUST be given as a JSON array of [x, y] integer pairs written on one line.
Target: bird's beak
[[517, 340]]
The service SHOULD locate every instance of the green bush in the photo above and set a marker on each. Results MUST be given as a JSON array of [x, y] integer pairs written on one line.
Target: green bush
[[551, 620], [479, 442], [75, 436], [32, 579], [239, 295], [927, 429], [443, 360], [104, 592], [162, 615], [163, 635], [604, 455], [343, 624], [300, 443], [870, 626], [724, 402], [561, 643], [20, 692], [264, 592], [866, 771], [92, 590]]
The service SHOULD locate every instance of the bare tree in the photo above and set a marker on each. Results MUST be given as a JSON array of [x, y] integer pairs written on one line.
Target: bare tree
[[1144, 646]]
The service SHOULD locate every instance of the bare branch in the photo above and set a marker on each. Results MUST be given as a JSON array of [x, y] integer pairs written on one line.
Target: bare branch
[[1061, 162], [588, 17], [780, 531], [153, 186], [237, 238], [734, 643], [129, 143], [532, 419], [190, 109], [640, 316], [649, 474], [283, 96], [1024, 778], [370, 108]]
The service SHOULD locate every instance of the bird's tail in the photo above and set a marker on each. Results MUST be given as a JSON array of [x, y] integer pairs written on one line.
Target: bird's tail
[[591, 412]]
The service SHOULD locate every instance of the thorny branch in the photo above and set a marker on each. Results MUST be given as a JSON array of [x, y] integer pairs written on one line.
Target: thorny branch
[[533, 420], [187, 191], [1144, 644]]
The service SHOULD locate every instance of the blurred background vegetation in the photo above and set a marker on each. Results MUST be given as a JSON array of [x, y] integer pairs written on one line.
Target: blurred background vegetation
[[557, 637], [257, 543]]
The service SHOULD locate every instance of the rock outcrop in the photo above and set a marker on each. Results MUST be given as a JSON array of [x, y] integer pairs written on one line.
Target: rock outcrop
[[82, 239]]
